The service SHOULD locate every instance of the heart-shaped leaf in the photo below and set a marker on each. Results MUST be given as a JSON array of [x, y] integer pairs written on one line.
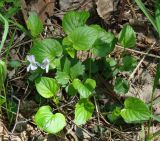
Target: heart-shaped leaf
[[47, 48], [127, 37], [74, 19], [135, 110], [34, 24], [47, 87], [48, 122], [86, 89], [82, 38], [83, 112]]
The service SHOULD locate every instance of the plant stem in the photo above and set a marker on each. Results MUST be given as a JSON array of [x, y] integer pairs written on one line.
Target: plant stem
[[6, 26]]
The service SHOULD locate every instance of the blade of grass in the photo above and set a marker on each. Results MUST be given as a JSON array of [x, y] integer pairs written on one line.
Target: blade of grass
[[10, 44], [157, 15], [20, 27], [6, 26], [147, 14]]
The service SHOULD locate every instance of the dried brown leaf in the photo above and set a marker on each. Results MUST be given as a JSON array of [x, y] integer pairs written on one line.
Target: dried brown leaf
[[44, 8], [104, 8]]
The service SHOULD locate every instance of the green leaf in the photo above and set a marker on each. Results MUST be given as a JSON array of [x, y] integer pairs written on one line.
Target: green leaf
[[86, 89], [47, 48], [62, 78], [128, 63], [66, 66], [48, 122], [157, 15], [76, 70], [114, 115], [71, 51], [104, 45], [127, 37], [121, 86], [2, 100], [90, 84], [34, 24], [71, 91], [74, 19], [15, 63], [82, 38], [155, 117], [112, 62], [135, 111], [70, 69], [83, 112], [3, 73], [47, 87]]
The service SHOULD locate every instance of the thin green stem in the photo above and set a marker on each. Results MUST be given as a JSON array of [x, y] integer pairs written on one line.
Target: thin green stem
[[6, 26]]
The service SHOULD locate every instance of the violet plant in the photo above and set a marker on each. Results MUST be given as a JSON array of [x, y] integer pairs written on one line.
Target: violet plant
[[51, 55]]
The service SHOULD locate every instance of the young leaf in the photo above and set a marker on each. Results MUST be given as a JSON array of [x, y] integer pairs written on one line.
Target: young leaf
[[114, 115], [47, 48], [127, 37], [82, 38], [47, 87], [74, 19], [48, 122], [157, 16], [121, 86], [85, 90], [104, 45], [83, 112], [34, 24], [135, 111], [76, 70], [62, 78], [128, 63], [3, 73]]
